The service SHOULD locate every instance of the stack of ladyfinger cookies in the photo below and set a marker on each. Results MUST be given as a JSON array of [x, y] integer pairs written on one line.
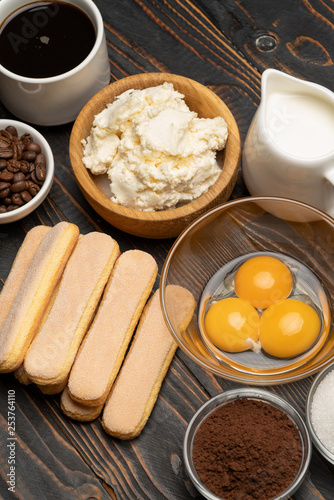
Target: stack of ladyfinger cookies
[[76, 319]]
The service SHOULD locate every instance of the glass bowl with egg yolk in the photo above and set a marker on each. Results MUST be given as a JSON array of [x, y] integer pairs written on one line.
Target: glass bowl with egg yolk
[[259, 270], [262, 308]]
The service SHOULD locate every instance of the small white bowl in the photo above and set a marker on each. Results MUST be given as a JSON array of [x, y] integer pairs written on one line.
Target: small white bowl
[[29, 207], [320, 446]]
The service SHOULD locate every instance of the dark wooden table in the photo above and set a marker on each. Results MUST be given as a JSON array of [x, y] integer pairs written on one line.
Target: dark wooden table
[[225, 45]]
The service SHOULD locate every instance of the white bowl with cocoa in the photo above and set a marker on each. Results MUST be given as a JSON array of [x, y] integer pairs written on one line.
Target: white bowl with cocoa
[[26, 170]]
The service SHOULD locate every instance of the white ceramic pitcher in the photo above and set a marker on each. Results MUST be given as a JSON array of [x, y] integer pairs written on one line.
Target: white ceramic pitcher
[[289, 148]]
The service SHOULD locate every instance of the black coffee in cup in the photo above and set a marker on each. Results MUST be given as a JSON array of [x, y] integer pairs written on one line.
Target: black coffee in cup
[[44, 39]]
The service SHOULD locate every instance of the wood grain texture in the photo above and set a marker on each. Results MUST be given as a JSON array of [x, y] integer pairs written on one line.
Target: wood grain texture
[[224, 45]]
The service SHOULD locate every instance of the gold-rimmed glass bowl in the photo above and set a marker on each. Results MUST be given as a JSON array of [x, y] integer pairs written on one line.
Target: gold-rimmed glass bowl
[[228, 233]]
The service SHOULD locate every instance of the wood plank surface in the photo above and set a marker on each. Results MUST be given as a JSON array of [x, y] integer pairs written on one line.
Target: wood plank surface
[[224, 45]]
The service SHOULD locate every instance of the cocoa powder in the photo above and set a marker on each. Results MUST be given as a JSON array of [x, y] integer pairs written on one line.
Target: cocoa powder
[[247, 450]]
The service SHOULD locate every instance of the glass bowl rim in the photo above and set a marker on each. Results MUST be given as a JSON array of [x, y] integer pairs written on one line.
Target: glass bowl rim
[[251, 393]]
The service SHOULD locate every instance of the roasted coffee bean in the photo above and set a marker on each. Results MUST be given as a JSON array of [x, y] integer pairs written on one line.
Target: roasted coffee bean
[[4, 193], [26, 196], [12, 130], [40, 172], [6, 133], [16, 199], [4, 142], [33, 188], [29, 155], [40, 158], [19, 176], [6, 176], [34, 178], [6, 153], [26, 139], [3, 164], [3, 209], [7, 201], [17, 151], [33, 146], [17, 187], [4, 185], [13, 166], [10, 208], [24, 166], [40, 167]]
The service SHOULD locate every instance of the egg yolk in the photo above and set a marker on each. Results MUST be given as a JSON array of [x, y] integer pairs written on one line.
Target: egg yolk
[[263, 280], [289, 328], [232, 325]]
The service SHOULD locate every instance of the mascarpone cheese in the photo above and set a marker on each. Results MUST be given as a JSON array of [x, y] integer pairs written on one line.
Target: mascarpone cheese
[[156, 152]]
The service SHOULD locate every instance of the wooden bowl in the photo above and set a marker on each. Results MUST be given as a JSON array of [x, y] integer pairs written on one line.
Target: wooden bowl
[[166, 223]]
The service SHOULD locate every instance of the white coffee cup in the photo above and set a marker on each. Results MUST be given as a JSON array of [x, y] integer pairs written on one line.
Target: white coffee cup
[[56, 100]]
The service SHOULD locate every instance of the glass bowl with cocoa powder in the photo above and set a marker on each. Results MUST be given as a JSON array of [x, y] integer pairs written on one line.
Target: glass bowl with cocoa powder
[[26, 170], [247, 443]]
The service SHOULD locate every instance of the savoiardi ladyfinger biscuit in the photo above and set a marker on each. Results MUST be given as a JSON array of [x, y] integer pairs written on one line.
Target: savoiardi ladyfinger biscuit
[[15, 278], [53, 388], [51, 354], [78, 411], [19, 268], [136, 389], [103, 349], [21, 376], [46, 389], [35, 291]]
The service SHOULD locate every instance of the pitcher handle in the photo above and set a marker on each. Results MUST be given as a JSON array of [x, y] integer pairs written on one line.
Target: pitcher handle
[[329, 176], [328, 193]]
